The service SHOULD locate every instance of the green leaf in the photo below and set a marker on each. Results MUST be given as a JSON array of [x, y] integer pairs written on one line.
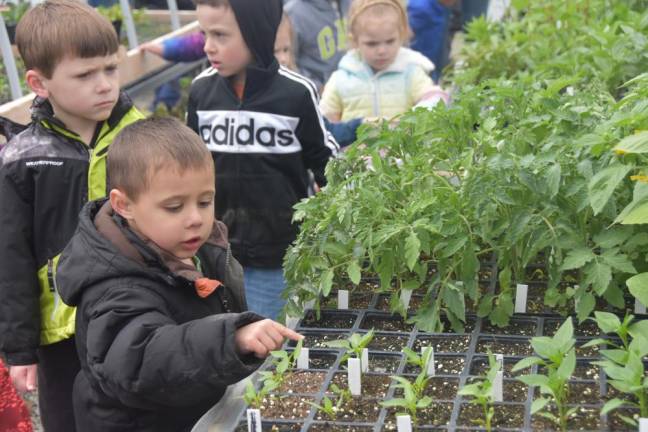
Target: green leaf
[[453, 246], [618, 261], [544, 346], [538, 405], [595, 342], [607, 322], [585, 306], [485, 306], [553, 180], [470, 390], [635, 213], [353, 270], [599, 275], [412, 250], [526, 363], [637, 143], [453, 297], [326, 282], [567, 366], [638, 286], [564, 337], [576, 258], [534, 380], [602, 185]]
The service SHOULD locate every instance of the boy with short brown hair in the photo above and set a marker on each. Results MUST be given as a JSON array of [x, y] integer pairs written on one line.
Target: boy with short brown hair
[[47, 173], [161, 327]]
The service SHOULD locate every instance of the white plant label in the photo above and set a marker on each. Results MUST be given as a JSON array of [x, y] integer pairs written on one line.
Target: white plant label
[[521, 298], [498, 387], [499, 358], [353, 369], [291, 322], [364, 360], [639, 308], [405, 297], [309, 305], [303, 359], [254, 420], [343, 299], [643, 425], [404, 423], [431, 371]]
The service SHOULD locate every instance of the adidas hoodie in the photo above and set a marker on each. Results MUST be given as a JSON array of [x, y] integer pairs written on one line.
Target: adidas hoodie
[[262, 144]]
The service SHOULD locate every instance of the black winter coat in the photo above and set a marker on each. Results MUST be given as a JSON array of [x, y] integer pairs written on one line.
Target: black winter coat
[[154, 355]]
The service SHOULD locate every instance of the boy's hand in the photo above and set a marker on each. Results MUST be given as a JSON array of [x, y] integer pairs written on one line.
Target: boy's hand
[[24, 377], [261, 337], [152, 47]]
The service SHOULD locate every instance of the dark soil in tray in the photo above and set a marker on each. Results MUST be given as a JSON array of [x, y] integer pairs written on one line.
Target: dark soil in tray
[[328, 320], [536, 275], [320, 361], [359, 300], [480, 366], [437, 414], [385, 323], [587, 328], [508, 347], [584, 393], [509, 416], [383, 364], [438, 388], [301, 381], [286, 407], [485, 274], [444, 365], [316, 340], [328, 427], [445, 344], [271, 427], [372, 385], [358, 409], [586, 418], [389, 343], [592, 351], [515, 328], [383, 303]]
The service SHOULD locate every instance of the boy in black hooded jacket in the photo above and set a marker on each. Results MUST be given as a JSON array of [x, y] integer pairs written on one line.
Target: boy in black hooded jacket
[[160, 325], [263, 126]]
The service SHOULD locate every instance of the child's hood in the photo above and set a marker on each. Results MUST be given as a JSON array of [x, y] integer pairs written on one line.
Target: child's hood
[[101, 249], [258, 22], [405, 58]]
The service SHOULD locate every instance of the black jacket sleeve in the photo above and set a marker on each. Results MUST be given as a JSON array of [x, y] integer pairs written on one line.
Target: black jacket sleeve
[[192, 115], [19, 289], [141, 357], [318, 145]]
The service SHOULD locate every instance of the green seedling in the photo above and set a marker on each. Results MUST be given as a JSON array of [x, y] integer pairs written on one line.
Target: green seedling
[[271, 380], [481, 393], [327, 407], [558, 356], [353, 345], [414, 397], [415, 359], [623, 363]]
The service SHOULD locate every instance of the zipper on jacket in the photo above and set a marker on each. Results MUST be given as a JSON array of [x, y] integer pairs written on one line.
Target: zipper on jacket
[[50, 275], [376, 107]]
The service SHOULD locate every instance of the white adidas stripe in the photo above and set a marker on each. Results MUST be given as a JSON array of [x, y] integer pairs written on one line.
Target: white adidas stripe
[[207, 72], [330, 141]]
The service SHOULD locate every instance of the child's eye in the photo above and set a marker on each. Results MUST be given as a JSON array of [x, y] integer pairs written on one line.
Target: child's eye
[[173, 208], [205, 204], [111, 68]]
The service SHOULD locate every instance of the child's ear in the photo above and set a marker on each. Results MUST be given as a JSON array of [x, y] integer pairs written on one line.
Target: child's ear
[[121, 204], [37, 83]]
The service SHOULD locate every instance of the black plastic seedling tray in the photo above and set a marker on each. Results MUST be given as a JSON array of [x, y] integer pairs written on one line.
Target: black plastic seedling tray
[[459, 358]]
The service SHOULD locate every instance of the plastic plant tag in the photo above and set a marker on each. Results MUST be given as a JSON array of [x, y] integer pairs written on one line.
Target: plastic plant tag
[[343, 299], [291, 322], [405, 297], [404, 423], [354, 376], [364, 360], [431, 371], [309, 304], [576, 297], [303, 359], [643, 425], [498, 387], [639, 308], [254, 420], [499, 358], [521, 298]]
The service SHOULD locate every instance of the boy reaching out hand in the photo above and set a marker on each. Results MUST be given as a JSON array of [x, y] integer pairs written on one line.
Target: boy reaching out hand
[[161, 329]]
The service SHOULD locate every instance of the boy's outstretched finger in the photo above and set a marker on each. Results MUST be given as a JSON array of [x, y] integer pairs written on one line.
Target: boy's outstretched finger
[[286, 332]]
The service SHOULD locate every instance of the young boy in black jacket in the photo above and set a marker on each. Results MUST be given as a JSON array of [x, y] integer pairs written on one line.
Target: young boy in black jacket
[[160, 326], [262, 124]]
